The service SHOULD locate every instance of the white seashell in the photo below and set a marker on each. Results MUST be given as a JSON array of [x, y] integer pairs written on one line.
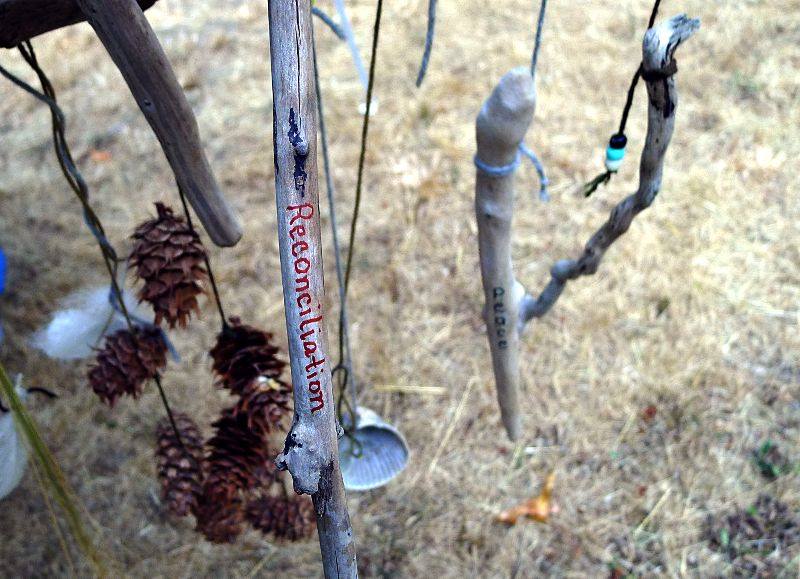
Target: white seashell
[[379, 454], [13, 452], [88, 316]]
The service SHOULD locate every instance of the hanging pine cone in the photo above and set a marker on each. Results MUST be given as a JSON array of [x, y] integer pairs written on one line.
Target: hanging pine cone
[[169, 258], [179, 465], [242, 354], [264, 404], [126, 362], [289, 519], [219, 514], [238, 458]]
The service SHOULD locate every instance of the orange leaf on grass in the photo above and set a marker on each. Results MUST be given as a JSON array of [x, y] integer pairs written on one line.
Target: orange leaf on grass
[[100, 155], [538, 508]]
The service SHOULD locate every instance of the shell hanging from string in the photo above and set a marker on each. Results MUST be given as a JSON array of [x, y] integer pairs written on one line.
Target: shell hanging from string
[[372, 452]]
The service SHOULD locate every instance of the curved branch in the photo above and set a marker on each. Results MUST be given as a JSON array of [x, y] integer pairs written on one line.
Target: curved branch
[[658, 68], [135, 49]]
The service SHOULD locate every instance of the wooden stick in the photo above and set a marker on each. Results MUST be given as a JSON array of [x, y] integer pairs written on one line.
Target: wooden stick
[[508, 307], [134, 48], [24, 19], [311, 449], [501, 125]]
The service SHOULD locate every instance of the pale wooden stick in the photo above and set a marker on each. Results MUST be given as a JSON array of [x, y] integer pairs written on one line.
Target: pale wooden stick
[[24, 19], [134, 48], [508, 307], [311, 449], [501, 125]]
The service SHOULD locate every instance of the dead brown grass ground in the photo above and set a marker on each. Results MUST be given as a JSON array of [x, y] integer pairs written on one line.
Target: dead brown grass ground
[[719, 248]]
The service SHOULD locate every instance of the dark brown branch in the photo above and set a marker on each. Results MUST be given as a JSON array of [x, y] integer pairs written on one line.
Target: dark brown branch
[[24, 19]]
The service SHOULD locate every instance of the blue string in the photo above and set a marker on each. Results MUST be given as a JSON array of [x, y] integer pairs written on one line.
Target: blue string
[[543, 180], [426, 55], [495, 171], [335, 28], [505, 170]]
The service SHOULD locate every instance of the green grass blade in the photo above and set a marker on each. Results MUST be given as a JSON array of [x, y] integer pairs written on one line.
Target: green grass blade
[[52, 474]]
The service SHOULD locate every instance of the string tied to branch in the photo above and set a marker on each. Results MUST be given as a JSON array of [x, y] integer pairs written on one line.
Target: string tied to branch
[[615, 151], [504, 170]]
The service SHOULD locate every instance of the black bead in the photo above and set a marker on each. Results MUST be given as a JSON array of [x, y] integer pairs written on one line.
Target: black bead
[[618, 141]]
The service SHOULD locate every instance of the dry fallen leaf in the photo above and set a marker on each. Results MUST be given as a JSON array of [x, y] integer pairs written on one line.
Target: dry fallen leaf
[[538, 508], [100, 156]]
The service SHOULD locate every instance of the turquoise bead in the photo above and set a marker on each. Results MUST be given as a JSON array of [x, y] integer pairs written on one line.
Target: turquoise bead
[[614, 154]]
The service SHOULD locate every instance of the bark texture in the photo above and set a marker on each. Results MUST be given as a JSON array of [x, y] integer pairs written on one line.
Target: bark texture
[[311, 449], [134, 48]]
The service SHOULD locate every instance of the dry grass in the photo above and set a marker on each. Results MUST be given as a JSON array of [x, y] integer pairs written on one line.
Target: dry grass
[[719, 248]]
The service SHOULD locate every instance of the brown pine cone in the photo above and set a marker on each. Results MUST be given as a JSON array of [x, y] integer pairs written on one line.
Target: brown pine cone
[[219, 514], [238, 458], [179, 465], [170, 258], [288, 519], [242, 354], [264, 404], [126, 362]]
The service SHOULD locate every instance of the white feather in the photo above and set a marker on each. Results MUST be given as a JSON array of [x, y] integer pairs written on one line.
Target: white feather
[[13, 453], [76, 330]]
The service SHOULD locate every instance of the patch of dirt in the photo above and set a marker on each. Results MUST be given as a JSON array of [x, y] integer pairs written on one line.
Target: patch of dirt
[[759, 541]]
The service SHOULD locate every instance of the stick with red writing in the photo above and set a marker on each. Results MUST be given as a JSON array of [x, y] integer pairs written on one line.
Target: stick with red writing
[[311, 450]]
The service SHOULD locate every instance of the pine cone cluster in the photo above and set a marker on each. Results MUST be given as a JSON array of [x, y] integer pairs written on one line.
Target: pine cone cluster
[[242, 354], [225, 481], [220, 515], [238, 459], [264, 405], [126, 362], [179, 464], [169, 257], [288, 519]]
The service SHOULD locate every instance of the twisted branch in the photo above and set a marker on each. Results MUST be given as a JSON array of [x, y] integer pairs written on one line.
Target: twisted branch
[[658, 68]]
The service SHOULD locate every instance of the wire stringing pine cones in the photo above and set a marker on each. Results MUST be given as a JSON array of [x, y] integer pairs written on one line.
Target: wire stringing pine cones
[[170, 258], [179, 464], [127, 360]]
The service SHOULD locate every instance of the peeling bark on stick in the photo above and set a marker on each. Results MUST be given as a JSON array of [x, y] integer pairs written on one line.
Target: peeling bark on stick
[[311, 450], [508, 307], [134, 48]]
